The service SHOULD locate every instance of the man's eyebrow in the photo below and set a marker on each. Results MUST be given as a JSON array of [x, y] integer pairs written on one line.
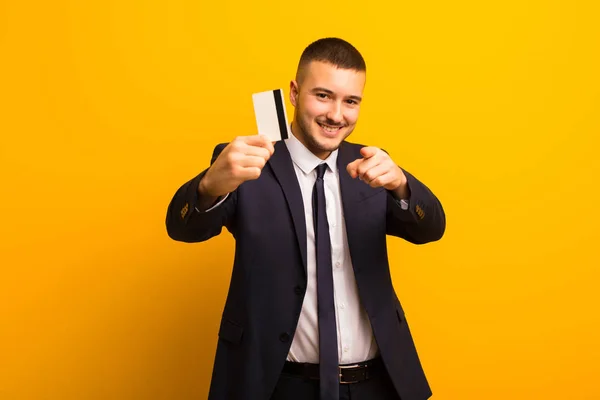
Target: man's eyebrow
[[322, 89]]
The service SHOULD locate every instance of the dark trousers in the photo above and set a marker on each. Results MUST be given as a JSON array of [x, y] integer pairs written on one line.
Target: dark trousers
[[292, 387]]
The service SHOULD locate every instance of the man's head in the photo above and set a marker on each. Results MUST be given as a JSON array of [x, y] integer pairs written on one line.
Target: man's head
[[326, 94]]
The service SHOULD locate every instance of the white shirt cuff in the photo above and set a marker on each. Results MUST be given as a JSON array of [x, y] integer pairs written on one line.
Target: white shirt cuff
[[403, 204], [216, 205]]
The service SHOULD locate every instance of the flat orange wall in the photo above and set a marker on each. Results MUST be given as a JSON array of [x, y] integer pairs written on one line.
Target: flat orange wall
[[106, 107]]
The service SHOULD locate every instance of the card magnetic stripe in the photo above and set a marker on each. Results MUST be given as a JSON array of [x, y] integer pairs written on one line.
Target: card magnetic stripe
[[280, 113]]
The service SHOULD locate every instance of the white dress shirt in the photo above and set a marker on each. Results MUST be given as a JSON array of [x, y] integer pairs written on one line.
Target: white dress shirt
[[355, 337]]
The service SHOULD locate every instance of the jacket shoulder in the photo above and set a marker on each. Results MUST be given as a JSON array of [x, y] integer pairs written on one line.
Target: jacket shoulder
[[355, 147]]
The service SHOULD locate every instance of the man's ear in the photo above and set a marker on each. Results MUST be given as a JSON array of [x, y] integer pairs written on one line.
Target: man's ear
[[294, 93]]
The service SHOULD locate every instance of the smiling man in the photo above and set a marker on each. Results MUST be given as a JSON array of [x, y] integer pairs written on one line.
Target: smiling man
[[327, 100], [311, 311]]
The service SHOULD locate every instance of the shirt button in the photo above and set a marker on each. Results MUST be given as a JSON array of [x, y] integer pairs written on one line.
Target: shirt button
[[346, 349], [342, 306], [284, 337], [338, 264]]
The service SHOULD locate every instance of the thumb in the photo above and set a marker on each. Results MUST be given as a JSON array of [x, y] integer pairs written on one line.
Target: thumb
[[368, 152]]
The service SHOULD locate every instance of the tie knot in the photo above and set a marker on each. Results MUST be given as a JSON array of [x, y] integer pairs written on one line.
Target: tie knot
[[321, 170]]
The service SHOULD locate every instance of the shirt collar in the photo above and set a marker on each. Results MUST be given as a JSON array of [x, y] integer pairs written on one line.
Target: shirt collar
[[305, 159]]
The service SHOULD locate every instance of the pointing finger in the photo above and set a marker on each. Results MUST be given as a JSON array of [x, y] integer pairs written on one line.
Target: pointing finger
[[369, 151], [352, 168]]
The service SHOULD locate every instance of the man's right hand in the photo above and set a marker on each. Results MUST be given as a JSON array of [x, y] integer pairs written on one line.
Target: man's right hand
[[241, 160]]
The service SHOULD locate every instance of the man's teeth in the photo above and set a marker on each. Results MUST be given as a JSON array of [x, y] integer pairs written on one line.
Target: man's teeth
[[330, 129]]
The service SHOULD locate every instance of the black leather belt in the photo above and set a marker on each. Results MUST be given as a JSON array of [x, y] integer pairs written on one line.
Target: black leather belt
[[351, 373]]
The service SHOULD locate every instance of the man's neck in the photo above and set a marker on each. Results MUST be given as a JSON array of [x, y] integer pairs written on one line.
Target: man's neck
[[301, 138]]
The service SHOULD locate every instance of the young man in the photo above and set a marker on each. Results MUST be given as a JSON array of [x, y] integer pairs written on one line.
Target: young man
[[311, 312]]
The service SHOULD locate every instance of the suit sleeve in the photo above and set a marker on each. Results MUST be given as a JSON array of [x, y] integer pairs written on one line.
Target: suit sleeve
[[424, 221], [185, 223]]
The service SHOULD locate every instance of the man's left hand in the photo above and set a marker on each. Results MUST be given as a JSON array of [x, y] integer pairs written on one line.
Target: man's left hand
[[377, 169]]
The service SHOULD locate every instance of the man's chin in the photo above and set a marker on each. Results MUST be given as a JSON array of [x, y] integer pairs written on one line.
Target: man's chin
[[329, 145], [320, 143]]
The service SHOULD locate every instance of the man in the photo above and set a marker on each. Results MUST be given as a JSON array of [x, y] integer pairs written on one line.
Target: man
[[311, 312]]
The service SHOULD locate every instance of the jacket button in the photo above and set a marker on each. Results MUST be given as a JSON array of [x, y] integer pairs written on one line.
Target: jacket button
[[284, 337], [298, 290]]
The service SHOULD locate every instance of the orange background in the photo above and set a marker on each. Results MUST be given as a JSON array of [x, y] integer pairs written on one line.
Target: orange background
[[107, 107]]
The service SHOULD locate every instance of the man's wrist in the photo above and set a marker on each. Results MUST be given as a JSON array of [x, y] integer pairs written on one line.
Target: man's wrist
[[205, 200], [402, 192]]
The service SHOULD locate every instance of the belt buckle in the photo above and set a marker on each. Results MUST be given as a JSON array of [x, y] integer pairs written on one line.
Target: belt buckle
[[342, 367]]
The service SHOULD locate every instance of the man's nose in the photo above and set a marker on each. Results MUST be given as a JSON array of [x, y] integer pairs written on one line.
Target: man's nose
[[335, 113]]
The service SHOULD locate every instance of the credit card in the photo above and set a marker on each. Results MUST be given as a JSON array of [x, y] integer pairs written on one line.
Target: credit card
[[271, 118]]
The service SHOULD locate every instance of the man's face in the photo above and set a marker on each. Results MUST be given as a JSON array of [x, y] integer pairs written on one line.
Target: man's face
[[327, 101]]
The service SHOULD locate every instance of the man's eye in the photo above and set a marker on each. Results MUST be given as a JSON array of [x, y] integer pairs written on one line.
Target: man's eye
[[321, 95], [353, 102]]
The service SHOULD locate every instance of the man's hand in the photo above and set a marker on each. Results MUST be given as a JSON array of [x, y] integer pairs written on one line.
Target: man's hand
[[241, 160], [377, 169]]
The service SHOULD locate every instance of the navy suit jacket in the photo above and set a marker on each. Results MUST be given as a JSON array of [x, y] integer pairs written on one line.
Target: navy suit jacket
[[268, 283]]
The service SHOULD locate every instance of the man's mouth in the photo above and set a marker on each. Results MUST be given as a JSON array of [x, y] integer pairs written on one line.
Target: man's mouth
[[329, 128]]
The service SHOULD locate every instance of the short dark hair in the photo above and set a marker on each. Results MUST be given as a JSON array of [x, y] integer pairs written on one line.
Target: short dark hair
[[335, 51]]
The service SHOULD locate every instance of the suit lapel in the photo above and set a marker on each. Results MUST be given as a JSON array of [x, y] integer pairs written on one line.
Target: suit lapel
[[353, 192], [352, 189], [283, 168]]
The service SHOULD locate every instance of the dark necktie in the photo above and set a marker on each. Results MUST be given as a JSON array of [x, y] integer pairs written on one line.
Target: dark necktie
[[328, 348]]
